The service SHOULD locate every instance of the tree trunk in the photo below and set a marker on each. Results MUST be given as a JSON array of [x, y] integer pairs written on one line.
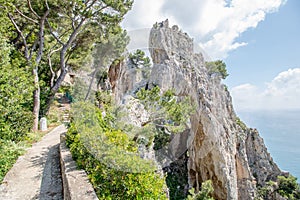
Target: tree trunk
[[62, 64], [58, 82], [37, 91], [54, 90], [36, 100]]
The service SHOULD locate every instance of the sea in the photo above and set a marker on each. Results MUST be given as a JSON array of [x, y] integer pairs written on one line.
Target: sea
[[281, 133]]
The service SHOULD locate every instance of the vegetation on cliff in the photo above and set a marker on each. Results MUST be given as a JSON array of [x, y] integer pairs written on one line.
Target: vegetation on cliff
[[204, 194], [111, 158], [108, 149], [285, 186], [217, 67], [43, 41]]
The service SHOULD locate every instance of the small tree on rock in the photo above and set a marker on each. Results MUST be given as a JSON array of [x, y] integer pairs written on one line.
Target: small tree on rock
[[217, 67]]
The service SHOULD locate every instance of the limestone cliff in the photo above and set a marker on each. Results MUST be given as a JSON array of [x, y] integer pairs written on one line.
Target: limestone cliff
[[215, 146]]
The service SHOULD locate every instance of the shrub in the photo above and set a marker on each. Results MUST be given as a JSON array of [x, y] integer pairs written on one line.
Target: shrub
[[111, 158], [139, 58], [288, 187], [10, 152], [166, 110], [266, 191], [15, 97], [205, 192], [241, 123], [217, 67]]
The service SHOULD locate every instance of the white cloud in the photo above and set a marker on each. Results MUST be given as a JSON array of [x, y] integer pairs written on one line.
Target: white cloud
[[144, 14], [215, 24], [283, 92]]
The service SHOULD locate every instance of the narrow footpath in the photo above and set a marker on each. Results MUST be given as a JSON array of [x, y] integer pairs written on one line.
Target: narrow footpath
[[36, 175]]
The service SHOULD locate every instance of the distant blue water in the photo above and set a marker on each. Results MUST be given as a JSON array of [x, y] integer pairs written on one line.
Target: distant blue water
[[281, 133]]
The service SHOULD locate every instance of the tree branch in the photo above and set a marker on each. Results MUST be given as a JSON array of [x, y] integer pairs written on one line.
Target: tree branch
[[41, 36], [73, 36], [21, 33], [46, 2], [28, 18], [88, 7], [30, 7], [50, 65], [97, 11], [52, 33], [33, 48], [86, 2], [152, 121]]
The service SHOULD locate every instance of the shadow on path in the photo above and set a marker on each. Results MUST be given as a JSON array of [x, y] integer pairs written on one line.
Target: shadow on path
[[51, 185]]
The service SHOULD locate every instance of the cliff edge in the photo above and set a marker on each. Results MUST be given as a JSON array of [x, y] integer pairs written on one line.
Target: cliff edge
[[216, 146]]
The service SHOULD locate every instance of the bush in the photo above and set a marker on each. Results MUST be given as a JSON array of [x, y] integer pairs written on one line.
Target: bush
[[288, 187], [266, 191], [205, 192], [217, 67], [166, 110], [241, 123], [15, 97], [111, 158], [10, 152], [139, 58]]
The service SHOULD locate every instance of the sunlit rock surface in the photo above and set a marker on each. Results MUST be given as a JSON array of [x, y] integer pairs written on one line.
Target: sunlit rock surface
[[216, 146]]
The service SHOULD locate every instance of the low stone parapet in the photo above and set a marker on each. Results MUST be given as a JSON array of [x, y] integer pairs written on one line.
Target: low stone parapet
[[76, 185]]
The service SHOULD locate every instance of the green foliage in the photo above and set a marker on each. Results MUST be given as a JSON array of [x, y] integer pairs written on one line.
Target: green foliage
[[217, 67], [241, 123], [110, 157], [141, 62], [161, 139], [104, 99], [166, 110], [266, 191], [138, 58], [10, 151], [288, 187], [205, 192], [177, 178], [110, 47], [78, 90], [71, 31], [4, 52], [107, 49], [226, 88], [15, 94]]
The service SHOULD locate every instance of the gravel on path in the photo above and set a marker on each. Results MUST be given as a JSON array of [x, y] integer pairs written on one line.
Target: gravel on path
[[36, 175]]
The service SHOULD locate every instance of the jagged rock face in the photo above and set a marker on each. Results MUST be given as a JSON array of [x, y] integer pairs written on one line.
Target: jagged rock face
[[218, 148], [259, 159], [126, 79]]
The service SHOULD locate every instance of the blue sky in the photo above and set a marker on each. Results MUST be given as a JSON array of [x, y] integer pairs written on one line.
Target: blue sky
[[258, 39], [273, 47]]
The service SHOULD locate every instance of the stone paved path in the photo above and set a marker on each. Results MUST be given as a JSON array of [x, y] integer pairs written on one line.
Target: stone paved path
[[36, 175]]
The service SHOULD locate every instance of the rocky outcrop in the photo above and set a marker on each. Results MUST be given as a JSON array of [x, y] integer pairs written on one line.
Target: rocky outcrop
[[217, 148], [259, 160]]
